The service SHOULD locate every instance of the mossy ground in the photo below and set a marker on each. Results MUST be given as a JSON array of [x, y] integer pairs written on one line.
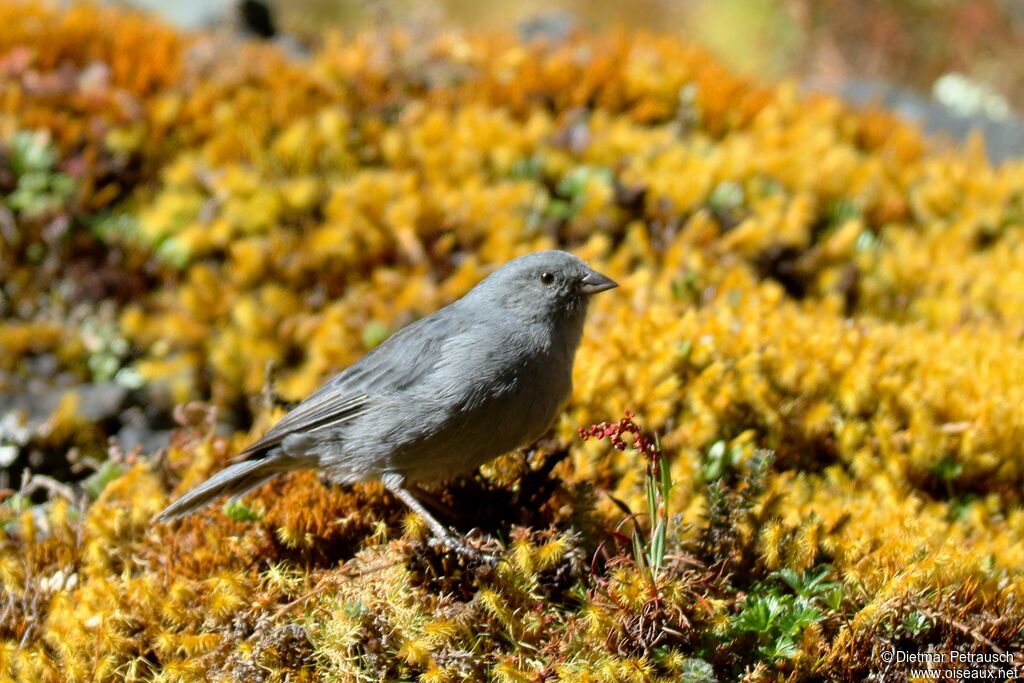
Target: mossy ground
[[820, 317]]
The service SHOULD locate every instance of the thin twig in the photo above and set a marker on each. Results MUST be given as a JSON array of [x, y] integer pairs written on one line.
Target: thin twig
[[323, 583], [51, 485], [962, 627]]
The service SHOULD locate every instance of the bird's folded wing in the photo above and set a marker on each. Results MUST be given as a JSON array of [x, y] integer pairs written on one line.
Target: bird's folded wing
[[405, 359], [326, 408], [402, 360]]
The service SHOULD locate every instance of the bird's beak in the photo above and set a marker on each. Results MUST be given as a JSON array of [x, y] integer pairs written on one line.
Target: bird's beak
[[593, 282]]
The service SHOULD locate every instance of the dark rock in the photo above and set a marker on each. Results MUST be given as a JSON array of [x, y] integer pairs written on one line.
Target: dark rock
[[554, 26], [1004, 138], [138, 431], [257, 18], [33, 404]]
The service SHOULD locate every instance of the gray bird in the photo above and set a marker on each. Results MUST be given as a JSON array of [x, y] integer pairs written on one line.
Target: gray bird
[[483, 376]]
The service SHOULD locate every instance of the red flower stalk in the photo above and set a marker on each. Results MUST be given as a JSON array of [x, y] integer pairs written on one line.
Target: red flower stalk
[[614, 431]]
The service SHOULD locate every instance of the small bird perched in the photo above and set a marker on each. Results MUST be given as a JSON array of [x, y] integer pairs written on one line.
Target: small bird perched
[[484, 375]]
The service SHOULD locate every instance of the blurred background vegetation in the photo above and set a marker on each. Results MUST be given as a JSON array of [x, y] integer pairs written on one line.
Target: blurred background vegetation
[[909, 43], [951, 66]]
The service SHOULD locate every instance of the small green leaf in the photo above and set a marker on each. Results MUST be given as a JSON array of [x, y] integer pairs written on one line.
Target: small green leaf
[[947, 469], [639, 553], [726, 197], [652, 496], [658, 545], [783, 648], [374, 334], [790, 576], [32, 151], [574, 185], [867, 240], [696, 670], [915, 623], [560, 209], [98, 480], [840, 211], [238, 511], [716, 464], [173, 252], [18, 503], [529, 168]]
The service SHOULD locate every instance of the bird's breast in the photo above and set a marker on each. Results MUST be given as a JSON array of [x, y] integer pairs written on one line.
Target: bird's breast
[[464, 426]]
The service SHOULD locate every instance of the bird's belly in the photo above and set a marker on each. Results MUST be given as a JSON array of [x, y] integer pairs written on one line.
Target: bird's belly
[[468, 439]]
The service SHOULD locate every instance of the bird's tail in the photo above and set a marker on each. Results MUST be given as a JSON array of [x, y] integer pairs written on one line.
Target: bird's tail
[[233, 481]]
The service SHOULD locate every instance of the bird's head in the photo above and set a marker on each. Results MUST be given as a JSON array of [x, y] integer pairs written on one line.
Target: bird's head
[[543, 284]]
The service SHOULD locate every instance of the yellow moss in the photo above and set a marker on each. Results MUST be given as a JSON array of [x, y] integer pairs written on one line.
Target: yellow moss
[[771, 540], [795, 276], [552, 552]]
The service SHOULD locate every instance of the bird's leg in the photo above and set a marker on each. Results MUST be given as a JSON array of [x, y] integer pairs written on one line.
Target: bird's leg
[[439, 530], [395, 484], [433, 500]]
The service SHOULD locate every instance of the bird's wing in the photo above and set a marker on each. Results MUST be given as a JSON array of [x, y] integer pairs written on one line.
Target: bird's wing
[[401, 360], [322, 409]]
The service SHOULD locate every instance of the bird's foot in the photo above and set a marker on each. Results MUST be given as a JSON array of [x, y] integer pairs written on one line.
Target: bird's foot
[[442, 536], [453, 542]]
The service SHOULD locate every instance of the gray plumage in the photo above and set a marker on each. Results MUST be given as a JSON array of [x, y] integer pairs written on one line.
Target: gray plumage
[[480, 377]]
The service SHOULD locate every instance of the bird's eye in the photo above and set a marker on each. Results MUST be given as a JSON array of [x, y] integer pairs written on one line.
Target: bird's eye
[[547, 278]]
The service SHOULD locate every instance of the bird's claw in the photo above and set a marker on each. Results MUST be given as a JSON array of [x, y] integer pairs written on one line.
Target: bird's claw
[[452, 542]]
